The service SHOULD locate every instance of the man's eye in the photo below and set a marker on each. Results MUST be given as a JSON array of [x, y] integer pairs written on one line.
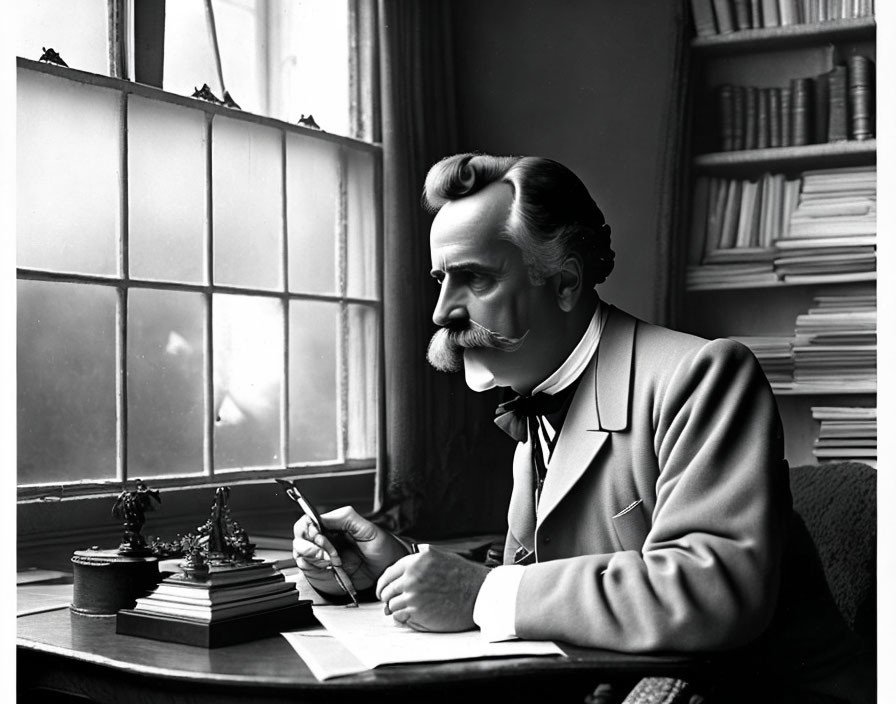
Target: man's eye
[[480, 282]]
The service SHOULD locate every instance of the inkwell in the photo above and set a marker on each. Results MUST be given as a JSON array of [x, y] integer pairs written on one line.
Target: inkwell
[[106, 580]]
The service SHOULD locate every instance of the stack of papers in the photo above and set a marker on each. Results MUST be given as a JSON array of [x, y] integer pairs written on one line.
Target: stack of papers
[[359, 639], [846, 434]]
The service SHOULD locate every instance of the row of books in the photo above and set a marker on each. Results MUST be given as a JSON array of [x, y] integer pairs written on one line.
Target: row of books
[[833, 348], [845, 434], [818, 227], [834, 106], [725, 16]]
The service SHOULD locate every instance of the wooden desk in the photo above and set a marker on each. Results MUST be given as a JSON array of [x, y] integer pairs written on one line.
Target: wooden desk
[[83, 655]]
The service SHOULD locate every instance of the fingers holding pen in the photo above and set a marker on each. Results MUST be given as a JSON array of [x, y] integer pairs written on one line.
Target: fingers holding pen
[[312, 546]]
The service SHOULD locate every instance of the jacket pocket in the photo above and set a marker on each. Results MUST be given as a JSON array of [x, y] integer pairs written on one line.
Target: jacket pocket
[[631, 526]]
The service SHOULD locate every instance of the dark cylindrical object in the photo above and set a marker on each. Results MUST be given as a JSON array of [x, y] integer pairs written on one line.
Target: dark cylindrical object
[[105, 581]]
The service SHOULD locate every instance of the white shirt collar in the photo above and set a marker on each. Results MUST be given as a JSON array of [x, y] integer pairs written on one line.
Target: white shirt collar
[[578, 359]]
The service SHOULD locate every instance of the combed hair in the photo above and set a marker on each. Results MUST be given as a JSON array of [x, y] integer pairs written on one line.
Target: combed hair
[[552, 214]]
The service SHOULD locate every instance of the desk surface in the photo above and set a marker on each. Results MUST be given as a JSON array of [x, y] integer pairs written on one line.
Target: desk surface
[[83, 655]]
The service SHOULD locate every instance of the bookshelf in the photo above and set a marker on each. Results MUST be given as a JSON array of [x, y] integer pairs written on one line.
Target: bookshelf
[[781, 209]]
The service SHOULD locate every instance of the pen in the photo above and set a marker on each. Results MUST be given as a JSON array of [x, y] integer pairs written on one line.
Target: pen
[[341, 576]]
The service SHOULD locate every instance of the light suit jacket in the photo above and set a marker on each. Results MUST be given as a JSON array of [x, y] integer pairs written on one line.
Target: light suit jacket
[[660, 523]]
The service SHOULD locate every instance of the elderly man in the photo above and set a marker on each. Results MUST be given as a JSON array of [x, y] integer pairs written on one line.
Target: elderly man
[[651, 507]]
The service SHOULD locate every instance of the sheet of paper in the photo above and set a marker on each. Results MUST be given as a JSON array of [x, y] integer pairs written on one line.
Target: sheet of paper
[[375, 639], [34, 598], [324, 655]]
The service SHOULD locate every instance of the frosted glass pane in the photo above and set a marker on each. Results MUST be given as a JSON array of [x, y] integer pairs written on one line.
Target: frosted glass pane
[[363, 380], [67, 175], [166, 387], [167, 191], [189, 61], [76, 29], [66, 379], [312, 188], [247, 204], [313, 381], [361, 267], [248, 373]]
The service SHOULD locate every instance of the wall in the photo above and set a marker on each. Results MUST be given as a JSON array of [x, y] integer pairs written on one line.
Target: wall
[[588, 83]]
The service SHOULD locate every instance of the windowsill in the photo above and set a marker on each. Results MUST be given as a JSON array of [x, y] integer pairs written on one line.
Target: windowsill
[[49, 531], [146, 91]]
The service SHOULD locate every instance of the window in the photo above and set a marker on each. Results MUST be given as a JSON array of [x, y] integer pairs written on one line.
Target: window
[[279, 58], [198, 293]]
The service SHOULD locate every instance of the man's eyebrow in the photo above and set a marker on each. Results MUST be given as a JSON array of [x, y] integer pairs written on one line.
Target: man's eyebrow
[[476, 267]]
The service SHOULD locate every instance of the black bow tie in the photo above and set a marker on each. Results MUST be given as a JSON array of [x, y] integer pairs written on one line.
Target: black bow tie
[[513, 416]]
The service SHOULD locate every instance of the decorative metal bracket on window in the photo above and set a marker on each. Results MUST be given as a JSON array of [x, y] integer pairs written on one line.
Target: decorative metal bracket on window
[[51, 56]]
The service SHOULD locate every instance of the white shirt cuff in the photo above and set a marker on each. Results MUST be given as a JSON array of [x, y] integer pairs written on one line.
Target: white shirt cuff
[[495, 608]]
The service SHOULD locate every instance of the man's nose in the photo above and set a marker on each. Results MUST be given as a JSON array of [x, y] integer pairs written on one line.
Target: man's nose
[[450, 307]]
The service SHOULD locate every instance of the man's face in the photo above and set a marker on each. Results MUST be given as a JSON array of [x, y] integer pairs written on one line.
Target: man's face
[[483, 279]]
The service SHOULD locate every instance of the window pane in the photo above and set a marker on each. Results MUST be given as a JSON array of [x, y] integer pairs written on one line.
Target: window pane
[[248, 372], [310, 62], [76, 29], [247, 204], [312, 187], [166, 191], [363, 380], [166, 384], [66, 382], [67, 175], [189, 53], [361, 267], [313, 381], [283, 58]]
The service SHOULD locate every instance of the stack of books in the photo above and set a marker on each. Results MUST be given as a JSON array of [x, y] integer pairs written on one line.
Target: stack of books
[[835, 106], [726, 16], [775, 355], [733, 229], [818, 228], [846, 434], [831, 234], [227, 605], [835, 344]]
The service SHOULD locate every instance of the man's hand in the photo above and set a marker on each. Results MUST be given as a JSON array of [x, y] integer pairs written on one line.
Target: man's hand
[[432, 591], [362, 548]]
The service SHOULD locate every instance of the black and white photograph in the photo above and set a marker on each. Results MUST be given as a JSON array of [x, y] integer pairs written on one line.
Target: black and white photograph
[[451, 350]]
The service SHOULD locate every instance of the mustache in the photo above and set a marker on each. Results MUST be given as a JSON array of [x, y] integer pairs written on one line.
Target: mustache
[[445, 351]]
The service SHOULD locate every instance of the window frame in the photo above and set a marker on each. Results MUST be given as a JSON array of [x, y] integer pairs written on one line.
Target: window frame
[[123, 282], [52, 515]]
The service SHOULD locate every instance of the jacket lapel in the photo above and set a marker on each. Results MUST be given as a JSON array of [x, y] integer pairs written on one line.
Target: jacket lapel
[[600, 406]]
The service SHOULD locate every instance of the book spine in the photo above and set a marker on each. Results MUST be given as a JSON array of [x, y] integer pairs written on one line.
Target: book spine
[[737, 137], [838, 119], [731, 216], [820, 112], [774, 122], [750, 108], [770, 16], [704, 18], [802, 102], [756, 14], [786, 123], [861, 97], [725, 121], [699, 216], [742, 14], [788, 12], [725, 22], [762, 119], [718, 194]]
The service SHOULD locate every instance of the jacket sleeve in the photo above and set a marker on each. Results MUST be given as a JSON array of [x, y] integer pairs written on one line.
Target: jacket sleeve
[[707, 575]]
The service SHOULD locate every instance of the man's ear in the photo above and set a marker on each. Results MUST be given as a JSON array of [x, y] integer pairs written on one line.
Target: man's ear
[[568, 282]]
